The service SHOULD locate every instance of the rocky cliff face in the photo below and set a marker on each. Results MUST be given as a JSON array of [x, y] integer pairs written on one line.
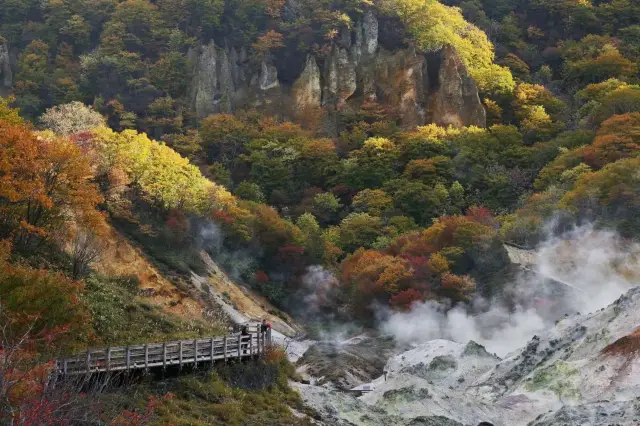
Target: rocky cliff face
[[456, 100], [6, 76], [356, 69]]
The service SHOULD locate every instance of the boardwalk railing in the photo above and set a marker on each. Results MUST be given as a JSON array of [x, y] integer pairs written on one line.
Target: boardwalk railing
[[166, 354]]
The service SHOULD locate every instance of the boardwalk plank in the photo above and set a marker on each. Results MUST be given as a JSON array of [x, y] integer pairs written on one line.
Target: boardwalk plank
[[152, 355]]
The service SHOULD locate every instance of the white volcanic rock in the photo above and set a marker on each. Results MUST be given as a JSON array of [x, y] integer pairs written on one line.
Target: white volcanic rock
[[584, 371]]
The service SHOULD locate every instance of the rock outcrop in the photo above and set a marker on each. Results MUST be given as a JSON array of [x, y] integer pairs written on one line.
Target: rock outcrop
[[307, 90], [349, 363], [456, 102], [206, 81], [355, 70], [268, 78], [401, 80], [340, 76], [220, 82], [6, 76]]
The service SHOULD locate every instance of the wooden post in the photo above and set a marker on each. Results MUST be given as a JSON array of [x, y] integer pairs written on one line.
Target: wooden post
[[259, 333], [195, 353], [213, 352], [251, 345], [180, 345], [128, 358], [146, 358], [88, 360], [225, 349], [108, 360], [164, 356], [240, 346], [65, 368]]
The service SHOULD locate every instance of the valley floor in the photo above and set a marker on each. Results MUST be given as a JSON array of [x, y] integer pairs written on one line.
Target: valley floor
[[584, 371]]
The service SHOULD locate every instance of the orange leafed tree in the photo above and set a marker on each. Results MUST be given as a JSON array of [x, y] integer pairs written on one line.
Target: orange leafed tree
[[273, 7], [374, 276], [45, 183], [269, 41]]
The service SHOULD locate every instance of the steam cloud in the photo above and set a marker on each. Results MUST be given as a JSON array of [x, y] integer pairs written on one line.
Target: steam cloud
[[317, 282], [598, 264], [210, 238]]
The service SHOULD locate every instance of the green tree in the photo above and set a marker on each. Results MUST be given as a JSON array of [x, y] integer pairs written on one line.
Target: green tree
[[223, 137], [250, 191], [372, 165], [373, 201], [326, 206], [33, 79], [314, 244], [417, 200], [169, 74], [359, 230], [609, 196]]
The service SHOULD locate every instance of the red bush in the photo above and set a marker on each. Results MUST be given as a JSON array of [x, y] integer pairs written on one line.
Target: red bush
[[404, 300], [261, 277]]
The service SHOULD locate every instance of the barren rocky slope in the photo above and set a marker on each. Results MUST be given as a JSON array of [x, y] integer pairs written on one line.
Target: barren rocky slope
[[586, 370]]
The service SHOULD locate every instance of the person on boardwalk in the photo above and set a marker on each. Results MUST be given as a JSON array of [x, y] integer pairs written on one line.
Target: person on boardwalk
[[265, 327]]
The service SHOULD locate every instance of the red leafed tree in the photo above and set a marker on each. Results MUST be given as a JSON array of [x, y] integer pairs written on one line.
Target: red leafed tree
[[178, 224], [23, 377], [481, 215], [405, 300], [261, 277], [291, 254], [27, 397]]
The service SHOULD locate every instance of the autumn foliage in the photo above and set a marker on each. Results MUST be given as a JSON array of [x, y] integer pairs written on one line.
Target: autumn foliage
[[45, 183], [421, 265], [268, 42]]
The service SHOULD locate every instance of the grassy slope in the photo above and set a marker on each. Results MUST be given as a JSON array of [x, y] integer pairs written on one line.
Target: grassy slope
[[149, 301]]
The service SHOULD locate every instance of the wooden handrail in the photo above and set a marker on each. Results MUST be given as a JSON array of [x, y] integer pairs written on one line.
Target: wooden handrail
[[165, 354]]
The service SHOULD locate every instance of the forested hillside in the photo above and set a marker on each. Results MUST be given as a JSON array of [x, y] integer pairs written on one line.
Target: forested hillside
[[388, 146]]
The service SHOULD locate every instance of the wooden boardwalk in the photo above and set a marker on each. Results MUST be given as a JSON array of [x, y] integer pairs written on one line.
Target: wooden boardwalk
[[166, 354]]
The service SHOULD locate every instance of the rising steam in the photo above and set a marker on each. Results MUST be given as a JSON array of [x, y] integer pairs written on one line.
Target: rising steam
[[600, 265]]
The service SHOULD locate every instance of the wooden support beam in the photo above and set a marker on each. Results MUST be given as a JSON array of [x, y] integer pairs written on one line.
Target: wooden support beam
[[213, 352], [146, 357], [108, 359], [164, 356], [88, 360], [180, 345], [250, 345], [240, 346], [195, 353], [128, 359], [225, 349]]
